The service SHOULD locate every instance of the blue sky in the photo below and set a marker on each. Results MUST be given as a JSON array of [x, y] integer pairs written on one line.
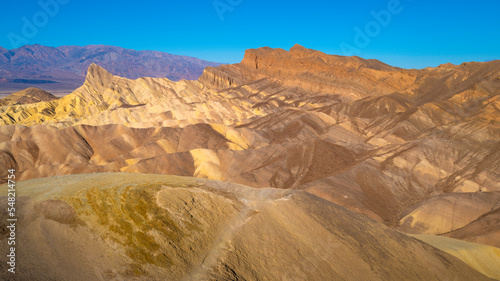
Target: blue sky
[[418, 33]]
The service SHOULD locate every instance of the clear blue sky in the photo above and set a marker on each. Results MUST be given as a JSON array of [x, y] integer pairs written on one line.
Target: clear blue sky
[[419, 34]]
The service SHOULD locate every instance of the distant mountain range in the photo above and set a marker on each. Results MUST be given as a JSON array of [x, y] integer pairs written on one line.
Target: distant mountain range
[[62, 69]]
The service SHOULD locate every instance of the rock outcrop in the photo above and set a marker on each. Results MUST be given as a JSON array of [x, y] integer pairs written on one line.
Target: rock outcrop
[[27, 96], [155, 227], [385, 142]]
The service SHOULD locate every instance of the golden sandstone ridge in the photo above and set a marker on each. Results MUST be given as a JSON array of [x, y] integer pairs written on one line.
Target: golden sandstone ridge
[[417, 150]]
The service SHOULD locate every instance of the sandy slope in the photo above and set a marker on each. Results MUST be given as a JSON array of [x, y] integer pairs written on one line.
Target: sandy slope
[[116, 226], [485, 259], [386, 142]]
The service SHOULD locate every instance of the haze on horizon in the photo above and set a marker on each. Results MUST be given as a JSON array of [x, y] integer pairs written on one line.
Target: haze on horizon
[[405, 33]]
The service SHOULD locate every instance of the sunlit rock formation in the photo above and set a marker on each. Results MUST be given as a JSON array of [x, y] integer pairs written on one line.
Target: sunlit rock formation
[[118, 226], [386, 142]]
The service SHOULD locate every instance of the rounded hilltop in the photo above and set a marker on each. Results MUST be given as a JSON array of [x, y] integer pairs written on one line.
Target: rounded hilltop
[[27, 96]]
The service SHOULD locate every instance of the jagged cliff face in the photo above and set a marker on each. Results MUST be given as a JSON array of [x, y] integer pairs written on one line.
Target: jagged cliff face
[[302, 69], [145, 102], [386, 142]]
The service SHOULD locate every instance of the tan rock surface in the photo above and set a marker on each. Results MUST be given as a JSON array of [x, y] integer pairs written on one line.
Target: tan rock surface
[[449, 212], [485, 259], [27, 96], [154, 227], [484, 230], [376, 139]]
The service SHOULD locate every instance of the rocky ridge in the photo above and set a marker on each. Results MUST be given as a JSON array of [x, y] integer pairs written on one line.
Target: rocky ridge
[[385, 142]]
